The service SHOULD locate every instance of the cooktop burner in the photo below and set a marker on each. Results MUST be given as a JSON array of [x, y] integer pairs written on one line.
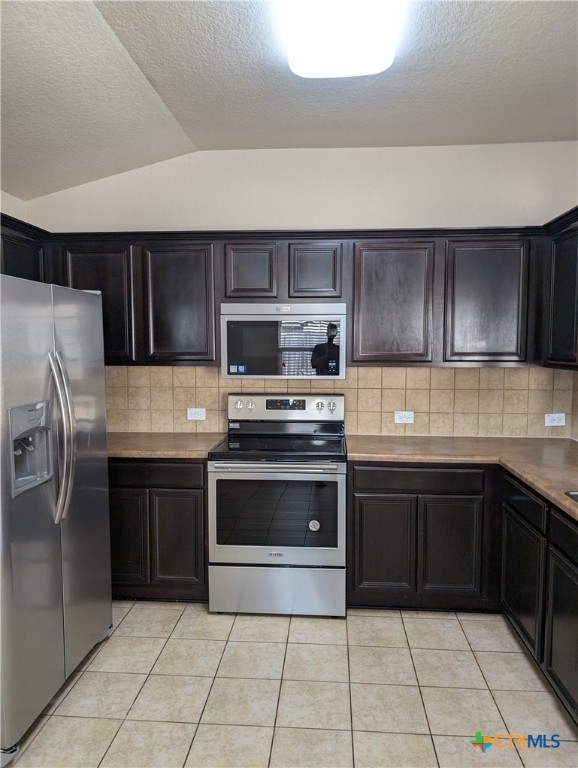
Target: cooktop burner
[[239, 448]]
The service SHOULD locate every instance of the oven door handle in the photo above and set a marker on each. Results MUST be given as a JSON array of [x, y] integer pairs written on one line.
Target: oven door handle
[[278, 467]]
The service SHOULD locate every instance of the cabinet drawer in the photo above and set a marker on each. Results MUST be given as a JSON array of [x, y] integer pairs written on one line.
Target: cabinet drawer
[[418, 480], [149, 474], [564, 536], [530, 507]]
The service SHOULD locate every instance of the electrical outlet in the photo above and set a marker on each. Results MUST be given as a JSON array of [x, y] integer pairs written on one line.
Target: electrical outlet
[[196, 414], [403, 417], [554, 419]]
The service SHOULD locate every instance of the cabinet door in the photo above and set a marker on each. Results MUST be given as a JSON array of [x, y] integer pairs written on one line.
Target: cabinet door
[[523, 557], [383, 556], [22, 258], [561, 630], [129, 536], [450, 545], [251, 270], [315, 270], [109, 269], [393, 302], [177, 535], [179, 303], [486, 301], [563, 311]]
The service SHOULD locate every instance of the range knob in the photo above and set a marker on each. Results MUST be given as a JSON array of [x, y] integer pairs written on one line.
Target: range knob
[[331, 406], [251, 404], [239, 405], [319, 405]]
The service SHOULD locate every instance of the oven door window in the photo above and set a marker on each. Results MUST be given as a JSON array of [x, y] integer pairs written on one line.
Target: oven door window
[[277, 513]]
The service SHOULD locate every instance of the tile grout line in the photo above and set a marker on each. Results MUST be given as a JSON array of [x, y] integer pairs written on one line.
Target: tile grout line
[[279, 694], [420, 691]]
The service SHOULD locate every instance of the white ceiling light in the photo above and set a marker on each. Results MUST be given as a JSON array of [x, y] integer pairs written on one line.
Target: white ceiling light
[[340, 38]]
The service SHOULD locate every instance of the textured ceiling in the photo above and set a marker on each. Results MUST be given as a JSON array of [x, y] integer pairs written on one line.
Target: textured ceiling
[[93, 89]]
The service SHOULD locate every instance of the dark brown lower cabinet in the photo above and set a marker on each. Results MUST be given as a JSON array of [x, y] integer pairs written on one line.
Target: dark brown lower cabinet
[[157, 534], [524, 552], [560, 662], [421, 550]]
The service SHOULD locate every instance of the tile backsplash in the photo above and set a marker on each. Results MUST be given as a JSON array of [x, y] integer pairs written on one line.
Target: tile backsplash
[[445, 401]]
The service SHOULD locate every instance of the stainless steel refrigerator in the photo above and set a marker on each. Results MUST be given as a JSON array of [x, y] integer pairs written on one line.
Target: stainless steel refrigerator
[[55, 586]]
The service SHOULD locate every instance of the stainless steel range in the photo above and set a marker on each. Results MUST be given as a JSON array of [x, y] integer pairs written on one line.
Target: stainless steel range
[[276, 503]]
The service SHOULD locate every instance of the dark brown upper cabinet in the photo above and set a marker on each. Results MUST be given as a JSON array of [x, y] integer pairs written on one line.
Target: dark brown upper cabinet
[[179, 306], [393, 301], [110, 269], [486, 301], [315, 270], [562, 313], [157, 298], [251, 270], [22, 251]]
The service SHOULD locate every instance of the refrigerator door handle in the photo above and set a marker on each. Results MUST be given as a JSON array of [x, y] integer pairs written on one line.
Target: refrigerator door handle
[[59, 388], [71, 421]]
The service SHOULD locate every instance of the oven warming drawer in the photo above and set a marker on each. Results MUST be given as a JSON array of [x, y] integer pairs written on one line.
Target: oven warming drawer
[[294, 591]]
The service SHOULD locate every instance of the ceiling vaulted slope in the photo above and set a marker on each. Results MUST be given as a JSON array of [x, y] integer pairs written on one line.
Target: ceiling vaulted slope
[[90, 90]]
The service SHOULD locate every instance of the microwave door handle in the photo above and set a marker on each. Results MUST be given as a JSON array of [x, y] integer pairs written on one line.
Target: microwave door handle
[[59, 389], [72, 434]]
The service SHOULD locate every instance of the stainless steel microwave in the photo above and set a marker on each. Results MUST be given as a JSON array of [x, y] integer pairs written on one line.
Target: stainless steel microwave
[[283, 341]]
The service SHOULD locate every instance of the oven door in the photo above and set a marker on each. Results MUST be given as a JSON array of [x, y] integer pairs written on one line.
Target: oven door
[[277, 513]]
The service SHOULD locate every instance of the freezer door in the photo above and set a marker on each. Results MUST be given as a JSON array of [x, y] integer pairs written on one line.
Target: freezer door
[[85, 525], [32, 656]]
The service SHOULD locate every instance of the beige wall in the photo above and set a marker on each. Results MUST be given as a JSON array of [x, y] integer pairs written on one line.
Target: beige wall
[[446, 401], [13, 206], [454, 186]]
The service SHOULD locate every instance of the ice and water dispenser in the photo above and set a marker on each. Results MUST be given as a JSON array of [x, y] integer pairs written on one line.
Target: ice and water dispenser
[[30, 439]]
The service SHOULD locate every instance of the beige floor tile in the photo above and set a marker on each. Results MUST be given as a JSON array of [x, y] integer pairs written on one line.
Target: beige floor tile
[[264, 660], [440, 634], [119, 611], [461, 712], [50, 709], [322, 663], [195, 658], [150, 744], [307, 704], [318, 631], [391, 666], [459, 752], [565, 756], [147, 623], [159, 605], [29, 737], [402, 750], [230, 746], [511, 671], [128, 654], [447, 669], [309, 748], [69, 742], [491, 636], [171, 698], [260, 629], [384, 613], [428, 614], [387, 708], [535, 712], [473, 616], [102, 694], [200, 608], [242, 702], [198, 625], [376, 631]]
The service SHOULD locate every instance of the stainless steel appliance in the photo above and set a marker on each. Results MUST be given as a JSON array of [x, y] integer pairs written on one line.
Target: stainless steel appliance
[[276, 502], [283, 341], [55, 588]]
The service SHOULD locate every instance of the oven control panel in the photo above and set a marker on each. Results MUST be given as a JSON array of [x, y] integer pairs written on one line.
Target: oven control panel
[[260, 406]]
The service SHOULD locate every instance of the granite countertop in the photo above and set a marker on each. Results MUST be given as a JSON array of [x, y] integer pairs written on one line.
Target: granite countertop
[[548, 465]]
